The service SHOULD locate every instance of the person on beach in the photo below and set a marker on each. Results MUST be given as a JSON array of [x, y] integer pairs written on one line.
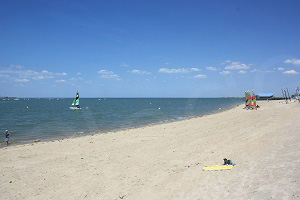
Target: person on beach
[[246, 103], [7, 135]]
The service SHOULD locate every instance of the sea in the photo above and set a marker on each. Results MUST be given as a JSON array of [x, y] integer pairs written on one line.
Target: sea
[[46, 119]]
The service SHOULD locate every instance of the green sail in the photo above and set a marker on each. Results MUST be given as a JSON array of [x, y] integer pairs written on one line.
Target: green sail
[[76, 100]]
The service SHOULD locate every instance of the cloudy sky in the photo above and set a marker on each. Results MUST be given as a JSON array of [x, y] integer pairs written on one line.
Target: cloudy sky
[[148, 48]]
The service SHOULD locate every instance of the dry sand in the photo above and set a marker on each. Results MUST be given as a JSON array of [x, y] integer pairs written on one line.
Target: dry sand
[[165, 161]]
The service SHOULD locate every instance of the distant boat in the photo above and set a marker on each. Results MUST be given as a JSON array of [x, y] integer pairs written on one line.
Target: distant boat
[[75, 104]]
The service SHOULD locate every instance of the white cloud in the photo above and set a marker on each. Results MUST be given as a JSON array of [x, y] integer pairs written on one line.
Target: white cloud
[[20, 73], [293, 61], [178, 70], [261, 71], [135, 71], [42, 77], [291, 72], [106, 72], [73, 79], [242, 72], [17, 66], [124, 65], [280, 68], [60, 81], [194, 69], [237, 65], [27, 73], [78, 74], [1, 75], [22, 80], [111, 76], [225, 72], [54, 74], [226, 62], [211, 68], [200, 76]]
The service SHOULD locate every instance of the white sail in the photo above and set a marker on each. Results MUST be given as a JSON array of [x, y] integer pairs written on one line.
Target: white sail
[[77, 102]]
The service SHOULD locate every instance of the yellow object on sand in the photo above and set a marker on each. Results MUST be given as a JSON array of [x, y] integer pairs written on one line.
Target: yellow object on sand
[[218, 167]]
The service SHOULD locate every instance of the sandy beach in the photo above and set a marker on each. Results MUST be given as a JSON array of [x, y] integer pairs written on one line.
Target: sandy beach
[[165, 161]]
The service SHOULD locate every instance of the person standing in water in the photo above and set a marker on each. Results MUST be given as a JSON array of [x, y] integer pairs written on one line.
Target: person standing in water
[[7, 135]]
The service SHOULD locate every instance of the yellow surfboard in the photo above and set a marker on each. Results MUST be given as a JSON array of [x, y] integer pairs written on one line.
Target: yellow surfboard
[[218, 167]]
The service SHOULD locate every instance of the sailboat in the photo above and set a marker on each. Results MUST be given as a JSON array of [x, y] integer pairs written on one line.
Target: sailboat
[[75, 104]]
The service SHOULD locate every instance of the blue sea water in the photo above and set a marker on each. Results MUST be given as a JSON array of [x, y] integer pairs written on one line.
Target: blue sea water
[[47, 119]]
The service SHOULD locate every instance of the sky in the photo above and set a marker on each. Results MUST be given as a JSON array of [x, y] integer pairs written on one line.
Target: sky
[[148, 48]]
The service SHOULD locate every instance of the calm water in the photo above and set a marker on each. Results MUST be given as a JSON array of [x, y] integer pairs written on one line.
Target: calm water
[[47, 119]]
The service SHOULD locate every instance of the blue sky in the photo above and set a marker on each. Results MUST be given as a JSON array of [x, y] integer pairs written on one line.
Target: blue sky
[[125, 48]]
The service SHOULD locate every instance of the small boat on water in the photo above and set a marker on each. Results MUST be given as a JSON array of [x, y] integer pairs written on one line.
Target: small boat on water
[[75, 103]]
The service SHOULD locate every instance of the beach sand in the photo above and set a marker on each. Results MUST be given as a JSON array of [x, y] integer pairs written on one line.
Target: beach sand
[[165, 161]]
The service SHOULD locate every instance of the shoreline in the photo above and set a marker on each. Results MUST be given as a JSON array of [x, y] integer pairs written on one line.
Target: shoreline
[[165, 161], [76, 135]]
